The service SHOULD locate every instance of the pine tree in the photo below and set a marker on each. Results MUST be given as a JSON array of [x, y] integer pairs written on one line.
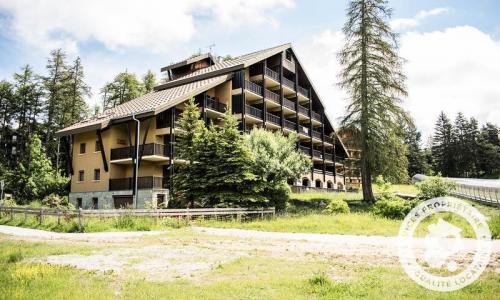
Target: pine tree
[[77, 90], [7, 114], [149, 81], [373, 77], [461, 145], [416, 157], [55, 85], [443, 147], [123, 88], [488, 151]]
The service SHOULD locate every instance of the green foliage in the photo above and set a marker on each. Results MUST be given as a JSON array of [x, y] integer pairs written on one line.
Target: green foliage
[[434, 187], [336, 206], [56, 201], [394, 207], [149, 81], [35, 177], [494, 225], [372, 75], [124, 87], [417, 163]]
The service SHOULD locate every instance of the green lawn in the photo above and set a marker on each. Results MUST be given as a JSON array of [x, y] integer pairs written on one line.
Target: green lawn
[[245, 278]]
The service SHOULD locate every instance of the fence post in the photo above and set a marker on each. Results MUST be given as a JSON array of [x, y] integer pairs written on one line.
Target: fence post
[[11, 214], [25, 216], [80, 219], [262, 213], [58, 217], [41, 216]]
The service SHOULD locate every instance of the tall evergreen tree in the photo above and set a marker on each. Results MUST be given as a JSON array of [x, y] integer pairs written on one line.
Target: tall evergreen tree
[[443, 146], [488, 151], [7, 111], [77, 90], [461, 145], [416, 157], [124, 87], [149, 81], [373, 77]]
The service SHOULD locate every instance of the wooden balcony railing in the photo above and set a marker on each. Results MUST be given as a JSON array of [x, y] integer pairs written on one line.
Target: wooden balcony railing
[[316, 134], [145, 150], [303, 129], [318, 171], [328, 139], [273, 119], [329, 173], [253, 111], [303, 110], [316, 116], [290, 125], [329, 156], [214, 104], [272, 74], [288, 103], [288, 64], [306, 150], [303, 91], [287, 82], [253, 87], [272, 96], [317, 153], [147, 182]]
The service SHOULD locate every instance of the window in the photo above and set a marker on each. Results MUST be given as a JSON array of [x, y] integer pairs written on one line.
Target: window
[[81, 175], [14, 151], [97, 146], [95, 202], [14, 138], [160, 201], [82, 148], [79, 203], [97, 174]]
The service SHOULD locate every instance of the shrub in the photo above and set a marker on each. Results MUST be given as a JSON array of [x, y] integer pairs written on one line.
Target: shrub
[[494, 225], [393, 207], [124, 222], [8, 202], [54, 200], [434, 187], [337, 206]]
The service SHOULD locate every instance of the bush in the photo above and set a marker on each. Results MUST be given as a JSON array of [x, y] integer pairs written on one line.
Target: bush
[[8, 202], [56, 201], [337, 206], [434, 187], [124, 222], [393, 207], [494, 225]]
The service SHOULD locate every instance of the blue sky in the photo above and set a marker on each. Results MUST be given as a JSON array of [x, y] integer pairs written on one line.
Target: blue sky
[[438, 38]]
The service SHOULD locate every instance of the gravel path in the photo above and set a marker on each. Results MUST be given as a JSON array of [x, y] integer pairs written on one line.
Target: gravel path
[[192, 252]]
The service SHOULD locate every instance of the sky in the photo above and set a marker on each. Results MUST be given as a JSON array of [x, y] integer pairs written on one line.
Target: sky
[[451, 48]]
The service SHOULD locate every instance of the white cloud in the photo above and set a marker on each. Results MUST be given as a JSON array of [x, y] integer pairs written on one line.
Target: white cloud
[[452, 70], [154, 25], [404, 23]]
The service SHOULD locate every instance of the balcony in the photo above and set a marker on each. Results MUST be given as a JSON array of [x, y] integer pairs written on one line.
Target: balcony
[[253, 111], [303, 130], [317, 154], [318, 171], [215, 105], [302, 110], [253, 87], [289, 104], [289, 65], [288, 83], [329, 173], [303, 91], [328, 139], [153, 152], [290, 125], [272, 74], [147, 182], [305, 150], [316, 135], [316, 116], [273, 119], [273, 97], [328, 156]]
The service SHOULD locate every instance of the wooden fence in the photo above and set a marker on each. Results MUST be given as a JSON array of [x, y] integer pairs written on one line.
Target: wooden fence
[[81, 214]]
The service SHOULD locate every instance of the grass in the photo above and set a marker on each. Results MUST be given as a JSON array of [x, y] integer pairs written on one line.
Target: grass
[[254, 277]]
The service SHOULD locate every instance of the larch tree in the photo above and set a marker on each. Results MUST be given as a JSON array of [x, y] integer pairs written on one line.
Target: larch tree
[[77, 90], [124, 87], [372, 75], [443, 146], [149, 81], [417, 163]]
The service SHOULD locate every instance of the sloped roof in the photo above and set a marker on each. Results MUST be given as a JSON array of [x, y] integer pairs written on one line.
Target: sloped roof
[[229, 65], [149, 104], [189, 60]]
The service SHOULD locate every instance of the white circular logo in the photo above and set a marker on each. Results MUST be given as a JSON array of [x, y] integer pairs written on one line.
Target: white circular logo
[[439, 260]]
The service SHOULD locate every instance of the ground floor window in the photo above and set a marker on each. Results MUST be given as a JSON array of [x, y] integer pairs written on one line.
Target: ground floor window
[[95, 203], [318, 183], [79, 202], [160, 201], [305, 182], [329, 185], [123, 201]]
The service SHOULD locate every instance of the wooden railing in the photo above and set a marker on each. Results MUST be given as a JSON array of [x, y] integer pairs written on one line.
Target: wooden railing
[[81, 214], [317, 153], [328, 139], [306, 150], [303, 129], [328, 156], [253, 87], [146, 182], [288, 103], [145, 150], [303, 91], [316, 116], [329, 173], [316, 134], [272, 96], [303, 110], [253, 111], [215, 105], [290, 125], [318, 171], [272, 74], [287, 82], [273, 119]]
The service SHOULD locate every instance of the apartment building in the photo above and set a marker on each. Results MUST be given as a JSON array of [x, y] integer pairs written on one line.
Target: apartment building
[[267, 88]]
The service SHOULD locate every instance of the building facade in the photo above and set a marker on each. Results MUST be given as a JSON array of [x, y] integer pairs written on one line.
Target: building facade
[[267, 88]]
